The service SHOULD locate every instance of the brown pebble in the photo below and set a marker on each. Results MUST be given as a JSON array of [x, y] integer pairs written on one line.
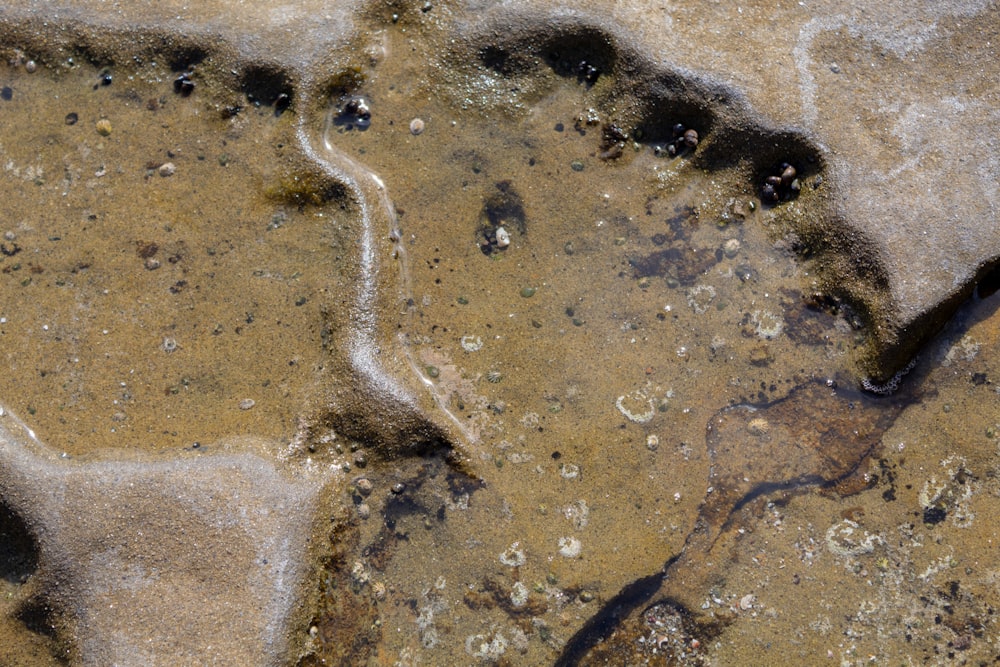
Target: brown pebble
[[788, 175], [690, 138]]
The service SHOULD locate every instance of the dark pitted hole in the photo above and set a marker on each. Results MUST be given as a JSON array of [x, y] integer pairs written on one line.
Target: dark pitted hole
[[267, 85], [584, 54], [503, 210], [497, 59], [989, 284], [669, 114], [18, 552], [183, 58], [934, 515], [38, 617]]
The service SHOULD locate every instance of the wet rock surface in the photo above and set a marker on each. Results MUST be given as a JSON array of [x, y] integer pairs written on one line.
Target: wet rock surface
[[523, 283], [218, 543]]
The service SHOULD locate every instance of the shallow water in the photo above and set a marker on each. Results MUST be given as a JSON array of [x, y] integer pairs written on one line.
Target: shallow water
[[588, 365]]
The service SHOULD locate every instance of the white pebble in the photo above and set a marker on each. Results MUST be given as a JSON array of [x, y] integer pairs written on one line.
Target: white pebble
[[416, 126], [503, 238], [167, 169]]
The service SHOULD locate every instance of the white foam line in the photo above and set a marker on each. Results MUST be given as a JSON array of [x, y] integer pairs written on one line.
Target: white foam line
[[377, 213]]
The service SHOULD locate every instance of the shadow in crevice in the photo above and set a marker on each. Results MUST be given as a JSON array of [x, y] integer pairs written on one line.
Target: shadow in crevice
[[18, 551]]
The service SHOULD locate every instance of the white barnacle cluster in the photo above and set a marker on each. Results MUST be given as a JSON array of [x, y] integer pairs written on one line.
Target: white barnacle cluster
[[699, 297], [767, 324], [637, 406], [489, 647], [471, 343], [513, 556], [892, 385], [845, 539]]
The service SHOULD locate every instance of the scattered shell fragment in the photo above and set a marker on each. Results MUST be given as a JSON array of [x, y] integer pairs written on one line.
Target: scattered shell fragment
[[471, 343], [746, 602], [636, 406], [513, 556], [247, 403]]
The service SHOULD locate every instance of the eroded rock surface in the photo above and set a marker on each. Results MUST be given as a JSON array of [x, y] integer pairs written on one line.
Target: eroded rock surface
[[159, 562]]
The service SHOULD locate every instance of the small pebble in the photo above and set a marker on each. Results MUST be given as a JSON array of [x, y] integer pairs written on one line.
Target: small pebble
[[503, 238], [167, 169], [71, 118], [152, 263], [104, 127], [416, 126], [30, 67], [247, 403]]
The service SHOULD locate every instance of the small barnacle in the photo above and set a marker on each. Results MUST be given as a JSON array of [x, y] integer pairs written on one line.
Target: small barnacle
[[494, 377], [379, 591], [758, 426]]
